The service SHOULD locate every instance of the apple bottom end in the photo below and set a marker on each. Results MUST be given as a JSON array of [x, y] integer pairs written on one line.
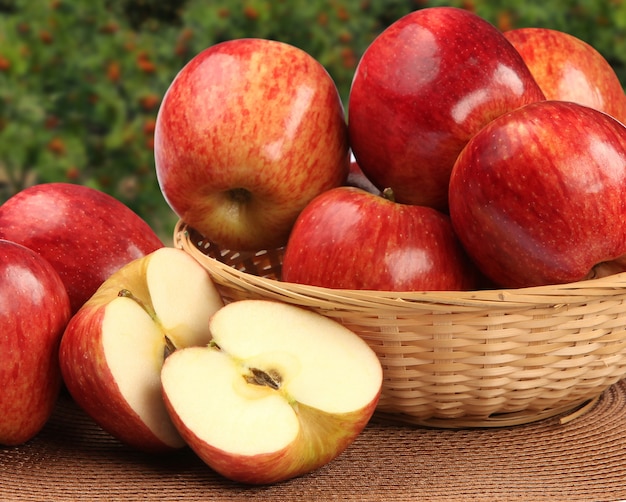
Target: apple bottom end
[[322, 439]]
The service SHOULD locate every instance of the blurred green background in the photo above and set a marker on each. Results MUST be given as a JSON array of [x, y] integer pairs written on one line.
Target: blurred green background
[[81, 80]]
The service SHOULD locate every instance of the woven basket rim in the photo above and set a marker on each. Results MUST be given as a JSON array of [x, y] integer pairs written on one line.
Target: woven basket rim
[[574, 292]]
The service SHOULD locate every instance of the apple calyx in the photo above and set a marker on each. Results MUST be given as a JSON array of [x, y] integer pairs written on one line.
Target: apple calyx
[[169, 347], [240, 195], [607, 268]]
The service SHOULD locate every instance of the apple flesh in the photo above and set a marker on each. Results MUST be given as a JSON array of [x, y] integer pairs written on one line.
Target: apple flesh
[[113, 348], [248, 132], [85, 234], [280, 391], [421, 89], [537, 196], [34, 310], [569, 69], [348, 238]]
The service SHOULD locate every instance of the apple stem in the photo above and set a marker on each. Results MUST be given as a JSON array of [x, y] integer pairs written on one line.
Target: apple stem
[[388, 194], [126, 293]]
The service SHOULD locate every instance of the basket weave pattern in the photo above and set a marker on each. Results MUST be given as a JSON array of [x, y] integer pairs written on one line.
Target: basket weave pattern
[[456, 359]]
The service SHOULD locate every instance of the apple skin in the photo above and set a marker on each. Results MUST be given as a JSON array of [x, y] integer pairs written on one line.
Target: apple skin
[[537, 196], [84, 233], [88, 375], [34, 310], [308, 452], [347, 238], [92, 385], [422, 88], [569, 69], [248, 132]]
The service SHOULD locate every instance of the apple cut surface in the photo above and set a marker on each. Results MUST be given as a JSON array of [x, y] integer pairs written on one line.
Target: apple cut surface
[[113, 349], [134, 347], [213, 380], [280, 391], [181, 292]]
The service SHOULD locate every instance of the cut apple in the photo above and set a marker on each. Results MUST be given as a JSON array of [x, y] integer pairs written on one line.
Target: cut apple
[[113, 348], [279, 392]]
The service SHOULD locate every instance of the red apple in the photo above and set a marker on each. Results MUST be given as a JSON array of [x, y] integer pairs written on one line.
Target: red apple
[[34, 310], [348, 238], [422, 88], [537, 196], [569, 69], [279, 392], [248, 133], [113, 348], [85, 234]]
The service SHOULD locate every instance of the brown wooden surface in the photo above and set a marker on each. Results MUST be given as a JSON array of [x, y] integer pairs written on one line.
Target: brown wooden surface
[[584, 459]]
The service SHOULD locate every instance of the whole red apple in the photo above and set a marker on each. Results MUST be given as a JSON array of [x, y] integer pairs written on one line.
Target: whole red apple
[[569, 69], [249, 131], [34, 310], [84, 233], [537, 196], [348, 238], [422, 88]]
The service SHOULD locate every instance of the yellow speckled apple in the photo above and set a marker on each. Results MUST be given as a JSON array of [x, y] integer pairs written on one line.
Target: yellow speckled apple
[[569, 69], [248, 132]]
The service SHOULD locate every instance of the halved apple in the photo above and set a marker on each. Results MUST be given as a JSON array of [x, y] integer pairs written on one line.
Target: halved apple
[[113, 348], [280, 391]]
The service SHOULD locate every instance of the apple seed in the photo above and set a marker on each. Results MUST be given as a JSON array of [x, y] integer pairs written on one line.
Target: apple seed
[[169, 348], [271, 379]]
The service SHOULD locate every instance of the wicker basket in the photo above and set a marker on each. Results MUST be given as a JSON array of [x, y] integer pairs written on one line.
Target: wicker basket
[[458, 359]]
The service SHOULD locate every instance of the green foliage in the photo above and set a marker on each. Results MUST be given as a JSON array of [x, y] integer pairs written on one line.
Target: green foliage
[[81, 80], [79, 95]]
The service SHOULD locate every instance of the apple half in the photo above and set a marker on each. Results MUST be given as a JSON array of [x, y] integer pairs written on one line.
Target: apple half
[[279, 392], [113, 348]]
